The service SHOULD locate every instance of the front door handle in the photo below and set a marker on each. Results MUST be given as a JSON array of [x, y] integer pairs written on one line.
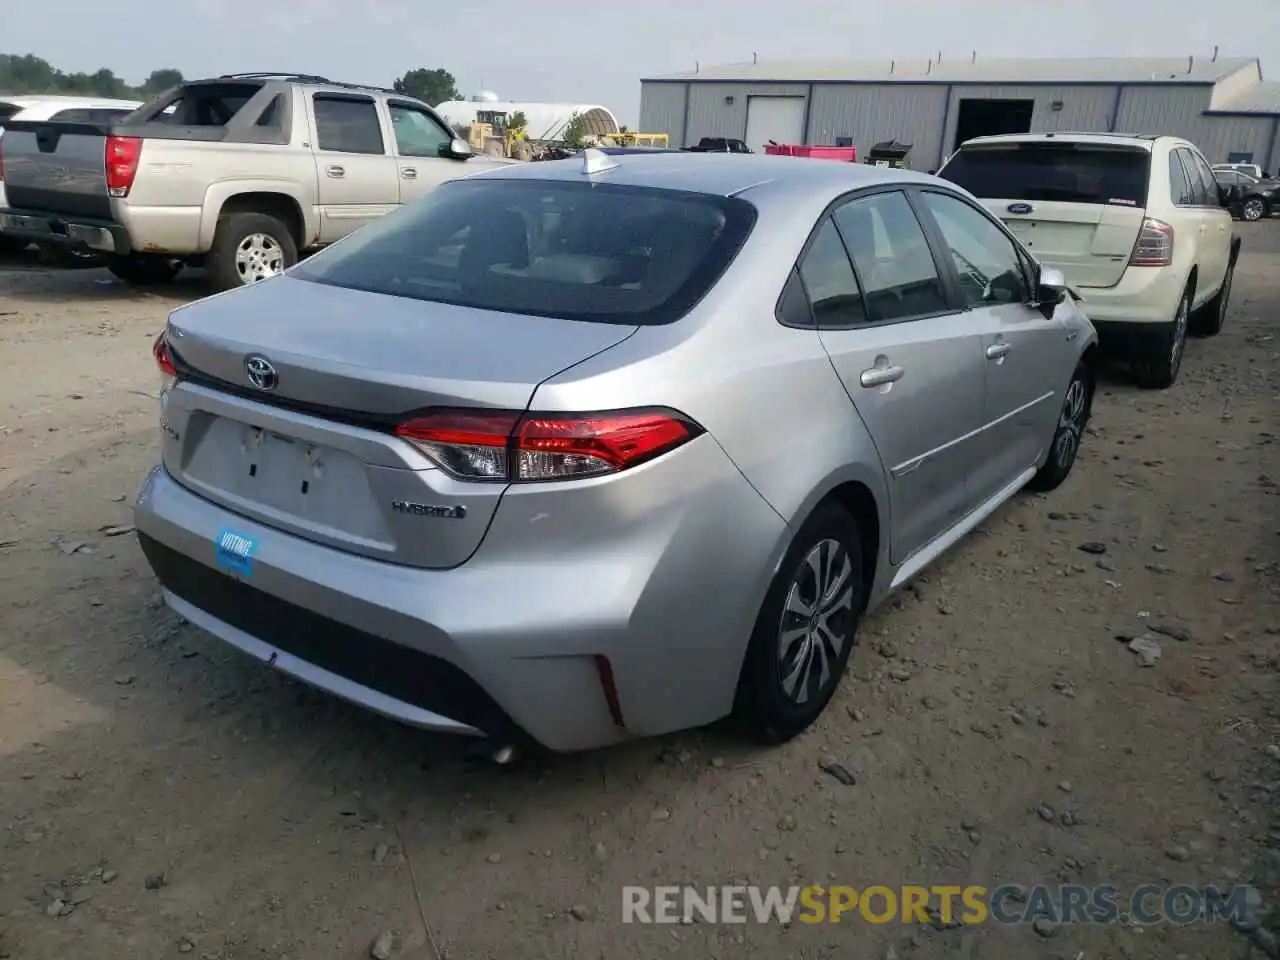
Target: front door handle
[[409, 173], [998, 350], [335, 171], [879, 376]]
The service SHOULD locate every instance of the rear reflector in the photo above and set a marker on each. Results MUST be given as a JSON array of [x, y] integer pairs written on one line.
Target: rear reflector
[[1155, 245], [514, 447]]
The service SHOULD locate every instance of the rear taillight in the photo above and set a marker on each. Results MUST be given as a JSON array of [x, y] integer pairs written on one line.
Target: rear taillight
[[164, 361], [1, 156], [513, 447], [1155, 245], [123, 154]]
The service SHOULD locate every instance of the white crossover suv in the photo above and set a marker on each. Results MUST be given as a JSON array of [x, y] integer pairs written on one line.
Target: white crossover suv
[[1138, 225]]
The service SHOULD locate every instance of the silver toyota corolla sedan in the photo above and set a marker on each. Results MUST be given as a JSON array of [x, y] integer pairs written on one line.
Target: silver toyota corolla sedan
[[603, 448]]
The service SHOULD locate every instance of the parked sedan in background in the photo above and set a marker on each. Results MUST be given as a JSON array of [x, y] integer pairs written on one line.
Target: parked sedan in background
[[1251, 198], [58, 109], [607, 447]]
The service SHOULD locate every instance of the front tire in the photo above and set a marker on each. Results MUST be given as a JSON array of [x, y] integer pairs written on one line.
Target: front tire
[[1159, 368], [1077, 407], [144, 269], [247, 248], [805, 631]]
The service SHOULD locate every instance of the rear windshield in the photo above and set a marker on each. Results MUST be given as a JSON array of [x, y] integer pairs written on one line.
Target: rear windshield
[[1068, 173], [583, 251]]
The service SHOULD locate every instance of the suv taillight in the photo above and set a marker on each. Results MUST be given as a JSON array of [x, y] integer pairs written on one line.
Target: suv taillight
[[1155, 245], [516, 447], [1, 156], [123, 154]]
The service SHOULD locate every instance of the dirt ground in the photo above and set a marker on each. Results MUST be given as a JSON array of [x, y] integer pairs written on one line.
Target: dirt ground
[[175, 797]]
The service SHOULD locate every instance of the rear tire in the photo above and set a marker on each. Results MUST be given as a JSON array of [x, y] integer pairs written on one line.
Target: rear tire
[[805, 631], [1159, 368], [144, 269], [248, 247], [1077, 407], [1212, 317], [1255, 208]]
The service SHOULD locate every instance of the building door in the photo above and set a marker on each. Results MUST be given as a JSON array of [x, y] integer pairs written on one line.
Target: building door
[[989, 118], [780, 119]]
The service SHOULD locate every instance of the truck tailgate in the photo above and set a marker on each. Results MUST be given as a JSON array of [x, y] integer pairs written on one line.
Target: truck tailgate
[[57, 168]]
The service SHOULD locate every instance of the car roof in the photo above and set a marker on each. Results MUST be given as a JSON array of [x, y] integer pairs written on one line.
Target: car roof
[[1144, 141], [720, 174]]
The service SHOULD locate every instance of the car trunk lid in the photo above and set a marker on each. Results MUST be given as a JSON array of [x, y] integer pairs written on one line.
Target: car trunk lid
[[309, 448], [1076, 206]]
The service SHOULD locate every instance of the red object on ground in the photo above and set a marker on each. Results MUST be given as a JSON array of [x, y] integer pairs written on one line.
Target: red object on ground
[[846, 154]]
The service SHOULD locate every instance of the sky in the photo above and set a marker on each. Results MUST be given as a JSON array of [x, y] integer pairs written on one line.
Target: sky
[[595, 51]]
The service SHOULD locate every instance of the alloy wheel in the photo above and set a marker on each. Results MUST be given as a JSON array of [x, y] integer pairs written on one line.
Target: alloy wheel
[[1179, 334], [258, 257], [1253, 209], [816, 620], [1071, 423]]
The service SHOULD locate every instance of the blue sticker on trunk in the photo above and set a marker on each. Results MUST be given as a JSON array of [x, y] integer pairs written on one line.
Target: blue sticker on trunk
[[234, 551]]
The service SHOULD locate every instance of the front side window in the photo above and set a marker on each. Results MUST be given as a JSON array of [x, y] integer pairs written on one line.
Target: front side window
[[829, 281], [348, 125], [417, 134], [985, 259], [894, 263], [599, 252]]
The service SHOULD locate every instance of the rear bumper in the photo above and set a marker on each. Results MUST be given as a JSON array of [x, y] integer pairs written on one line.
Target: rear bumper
[[1144, 295], [76, 232], [500, 647]]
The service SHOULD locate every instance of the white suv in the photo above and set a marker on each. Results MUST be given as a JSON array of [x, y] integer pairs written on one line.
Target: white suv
[[1137, 224]]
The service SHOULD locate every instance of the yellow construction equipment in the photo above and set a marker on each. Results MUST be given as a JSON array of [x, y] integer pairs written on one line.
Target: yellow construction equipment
[[492, 136], [629, 138]]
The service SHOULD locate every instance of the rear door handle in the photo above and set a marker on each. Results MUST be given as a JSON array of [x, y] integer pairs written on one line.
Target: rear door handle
[[879, 376], [997, 350], [408, 173], [335, 171]]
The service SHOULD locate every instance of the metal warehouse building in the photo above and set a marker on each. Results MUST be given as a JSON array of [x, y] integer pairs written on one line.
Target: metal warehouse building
[[1221, 104]]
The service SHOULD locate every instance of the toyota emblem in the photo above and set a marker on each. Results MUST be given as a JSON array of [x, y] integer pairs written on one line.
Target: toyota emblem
[[260, 372]]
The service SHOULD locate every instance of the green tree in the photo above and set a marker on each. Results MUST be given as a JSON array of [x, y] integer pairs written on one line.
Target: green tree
[[161, 80], [575, 131], [430, 86], [517, 122]]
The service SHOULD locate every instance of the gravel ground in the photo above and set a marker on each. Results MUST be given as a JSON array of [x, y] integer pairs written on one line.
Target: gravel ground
[[161, 795]]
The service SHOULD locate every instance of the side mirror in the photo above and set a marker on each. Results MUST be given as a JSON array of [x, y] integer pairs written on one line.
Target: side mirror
[[1052, 286], [456, 149]]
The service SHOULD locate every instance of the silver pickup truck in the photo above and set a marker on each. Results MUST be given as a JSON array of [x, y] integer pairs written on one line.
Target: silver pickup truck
[[235, 174]]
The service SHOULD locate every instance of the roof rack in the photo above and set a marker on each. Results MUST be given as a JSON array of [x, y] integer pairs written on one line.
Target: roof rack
[[308, 78], [276, 75]]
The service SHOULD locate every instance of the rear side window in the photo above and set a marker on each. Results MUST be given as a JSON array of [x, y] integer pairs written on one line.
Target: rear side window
[[1180, 191], [1203, 187], [829, 280], [348, 125], [584, 251], [1062, 172]]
